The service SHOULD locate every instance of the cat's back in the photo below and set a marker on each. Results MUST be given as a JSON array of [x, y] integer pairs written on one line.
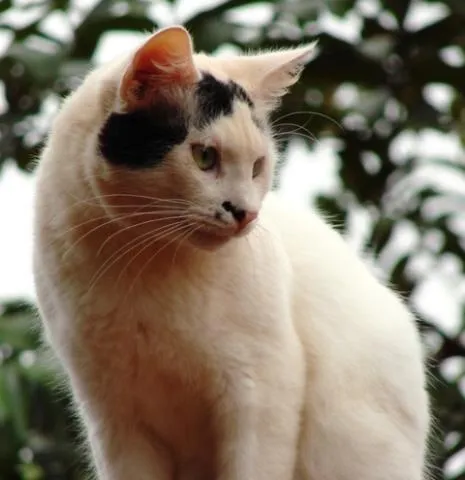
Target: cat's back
[[348, 322], [314, 248], [340, 308], [321, 259]]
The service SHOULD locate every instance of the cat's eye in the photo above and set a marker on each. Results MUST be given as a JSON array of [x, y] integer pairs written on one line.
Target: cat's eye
[[258, 167], [207, 158]]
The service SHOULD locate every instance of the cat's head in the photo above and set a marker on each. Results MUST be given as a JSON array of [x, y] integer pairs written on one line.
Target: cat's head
[[188, 137]]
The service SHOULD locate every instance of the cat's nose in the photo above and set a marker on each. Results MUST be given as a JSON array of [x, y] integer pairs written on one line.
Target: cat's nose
[[242, 217], [238, 213]]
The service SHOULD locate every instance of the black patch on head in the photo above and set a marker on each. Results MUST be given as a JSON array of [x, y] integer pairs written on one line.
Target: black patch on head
[[142, 138], [216, 98]]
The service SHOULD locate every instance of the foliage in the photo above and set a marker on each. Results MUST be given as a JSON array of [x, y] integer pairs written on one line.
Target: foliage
[[36, 428], [376, 90]]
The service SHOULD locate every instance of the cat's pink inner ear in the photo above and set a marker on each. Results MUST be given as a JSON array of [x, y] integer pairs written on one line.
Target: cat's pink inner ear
[[165, 59]]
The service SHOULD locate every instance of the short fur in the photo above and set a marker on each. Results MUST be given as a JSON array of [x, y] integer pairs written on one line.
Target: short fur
[[201, 344]]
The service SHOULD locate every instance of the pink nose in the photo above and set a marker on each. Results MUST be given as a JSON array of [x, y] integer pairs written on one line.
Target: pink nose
[[243, 217], [249, 217]]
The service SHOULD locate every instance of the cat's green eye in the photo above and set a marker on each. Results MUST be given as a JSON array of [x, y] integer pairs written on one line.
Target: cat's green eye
[[258, 167], [207, 158]]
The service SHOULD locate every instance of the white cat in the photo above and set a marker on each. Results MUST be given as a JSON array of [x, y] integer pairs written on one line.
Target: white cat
[[209, 330]]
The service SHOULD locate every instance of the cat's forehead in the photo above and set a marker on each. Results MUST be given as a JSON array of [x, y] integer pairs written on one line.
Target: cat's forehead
[[225, 113], [224, 69], [219, 93], [236, 135], [213, 65], [216, 98]]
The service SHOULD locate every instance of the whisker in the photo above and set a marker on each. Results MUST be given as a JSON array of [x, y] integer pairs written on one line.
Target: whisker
[[130, 195], [130, 246], [108, 222], [267, 231], [139, 224], [179, 244], [170, 231], [298, 134], [291, 124], [114, 257], [296, 130], [181, 233], [118, 217], [166, 203], [311, 114], [289, 114]]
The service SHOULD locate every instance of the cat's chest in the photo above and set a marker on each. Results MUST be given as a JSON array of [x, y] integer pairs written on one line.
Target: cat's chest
[[223, 312], [184, 322], [199, 315], [174, 347]]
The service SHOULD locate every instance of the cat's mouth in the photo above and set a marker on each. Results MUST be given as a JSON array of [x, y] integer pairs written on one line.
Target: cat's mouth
[[208, 240], [210, 236]]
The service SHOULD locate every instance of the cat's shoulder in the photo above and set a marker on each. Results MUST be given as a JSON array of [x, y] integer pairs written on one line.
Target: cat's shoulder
[[290, 216]]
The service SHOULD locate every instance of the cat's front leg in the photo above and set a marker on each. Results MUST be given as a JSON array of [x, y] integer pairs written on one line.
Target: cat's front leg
[[126, 451], [237, 419], [258, 421], [122, 446]]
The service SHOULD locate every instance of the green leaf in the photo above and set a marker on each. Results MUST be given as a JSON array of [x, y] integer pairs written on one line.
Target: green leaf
[[31, 471], [42, 67], [5, 5], [339, 7], [17, 331], [332, 211], [14, 401], [381, 234]]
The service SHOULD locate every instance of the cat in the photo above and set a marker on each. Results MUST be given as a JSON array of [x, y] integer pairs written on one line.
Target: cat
[[208, 329]]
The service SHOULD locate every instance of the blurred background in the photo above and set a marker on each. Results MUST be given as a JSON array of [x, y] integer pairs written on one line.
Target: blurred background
[[373, 136]]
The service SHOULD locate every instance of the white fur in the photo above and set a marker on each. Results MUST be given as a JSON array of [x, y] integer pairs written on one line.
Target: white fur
[[275, 357]]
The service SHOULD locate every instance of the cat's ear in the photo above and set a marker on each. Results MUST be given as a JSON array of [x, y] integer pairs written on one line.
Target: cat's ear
[[164, 60], [279, 71]]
